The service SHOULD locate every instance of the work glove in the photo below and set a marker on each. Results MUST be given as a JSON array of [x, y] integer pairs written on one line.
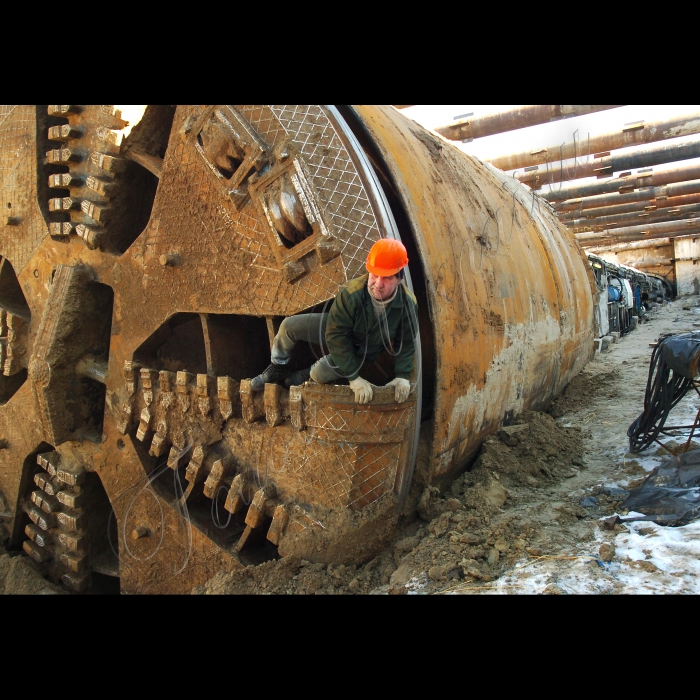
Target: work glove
[[403, 389], [362, 389]]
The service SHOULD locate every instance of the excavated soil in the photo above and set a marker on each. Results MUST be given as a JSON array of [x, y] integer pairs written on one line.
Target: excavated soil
[[520, 501], [19, 575]]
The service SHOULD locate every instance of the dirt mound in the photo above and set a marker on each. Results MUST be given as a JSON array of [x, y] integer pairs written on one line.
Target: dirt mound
[[463, 534], [19, 575], [603, 381]]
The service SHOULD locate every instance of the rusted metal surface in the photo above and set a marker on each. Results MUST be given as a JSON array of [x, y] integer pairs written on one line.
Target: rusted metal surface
[[630, 135], [527, 115], [644, 205], [135, 447], [650, 194], [188, 305], [606, 165], [644, 217], [498, 348], [623, 185], [684, 227]]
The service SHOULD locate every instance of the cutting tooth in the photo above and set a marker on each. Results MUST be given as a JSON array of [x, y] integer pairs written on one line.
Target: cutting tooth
[[237, 495], [73, 476], [47, 503], [78, 583], [91, 237], [36, 535], [75, 541], [44, 520], [64, 110], [64, 132], [217, 475], [279, 522], [104, 187], [73, 521], [111, 137], [98, 212], [70, 500], [38, 554], [110, 164], [64, 228], [64, 204], [64, 180], [144, 424], [159, 445], [48, 462], [64, 155], [111, 111], [75, 562]]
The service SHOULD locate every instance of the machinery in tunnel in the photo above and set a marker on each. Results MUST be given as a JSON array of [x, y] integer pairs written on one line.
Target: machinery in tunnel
[[625, 295], [149, 275]]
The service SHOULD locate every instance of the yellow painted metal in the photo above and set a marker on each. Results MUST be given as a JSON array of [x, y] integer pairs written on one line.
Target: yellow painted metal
[[511, 294]]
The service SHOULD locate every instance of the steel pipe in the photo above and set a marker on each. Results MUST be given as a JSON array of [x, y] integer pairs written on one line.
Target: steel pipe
[[623, 185], [632, 245], [677, 189], [641, 264], [629, 135], [620, 220], [666, 229], [606, 165], [645, 205], [527, 115]]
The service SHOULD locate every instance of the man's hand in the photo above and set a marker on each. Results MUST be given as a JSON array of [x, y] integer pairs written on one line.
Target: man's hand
[[403, 389], [362, 389]]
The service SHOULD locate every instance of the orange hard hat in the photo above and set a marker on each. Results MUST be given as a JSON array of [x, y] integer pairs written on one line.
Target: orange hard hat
[[387, 257]]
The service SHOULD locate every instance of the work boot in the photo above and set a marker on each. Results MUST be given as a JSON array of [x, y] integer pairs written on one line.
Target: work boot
[[298, 377], [272, 375]]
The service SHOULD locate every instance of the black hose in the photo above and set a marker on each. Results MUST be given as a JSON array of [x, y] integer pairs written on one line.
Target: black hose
[[665, 388]]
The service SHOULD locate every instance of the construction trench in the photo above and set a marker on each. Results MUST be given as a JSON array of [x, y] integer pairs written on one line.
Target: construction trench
[[143, 279]]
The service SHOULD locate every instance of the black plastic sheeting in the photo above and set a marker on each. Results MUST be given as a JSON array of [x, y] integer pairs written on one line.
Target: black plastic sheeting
[[680, 353], [670, 495], [672, 369]]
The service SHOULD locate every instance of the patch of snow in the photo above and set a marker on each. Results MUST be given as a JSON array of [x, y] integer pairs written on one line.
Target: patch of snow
[[649, 559]]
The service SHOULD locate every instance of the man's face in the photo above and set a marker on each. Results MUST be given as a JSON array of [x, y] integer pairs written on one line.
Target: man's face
[[381, 288]]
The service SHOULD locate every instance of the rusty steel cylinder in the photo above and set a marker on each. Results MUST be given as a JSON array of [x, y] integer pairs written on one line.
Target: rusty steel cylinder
[[510, 300]]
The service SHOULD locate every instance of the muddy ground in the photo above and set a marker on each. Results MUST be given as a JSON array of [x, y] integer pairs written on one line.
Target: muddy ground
[[519, 504]]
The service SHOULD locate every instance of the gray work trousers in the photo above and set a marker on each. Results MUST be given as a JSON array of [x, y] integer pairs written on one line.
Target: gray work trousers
[[310, 328]]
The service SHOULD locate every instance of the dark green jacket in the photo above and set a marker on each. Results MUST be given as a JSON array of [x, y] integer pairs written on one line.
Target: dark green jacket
[[353, 331]]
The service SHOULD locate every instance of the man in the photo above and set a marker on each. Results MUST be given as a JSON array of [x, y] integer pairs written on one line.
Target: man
[[371, 313]]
